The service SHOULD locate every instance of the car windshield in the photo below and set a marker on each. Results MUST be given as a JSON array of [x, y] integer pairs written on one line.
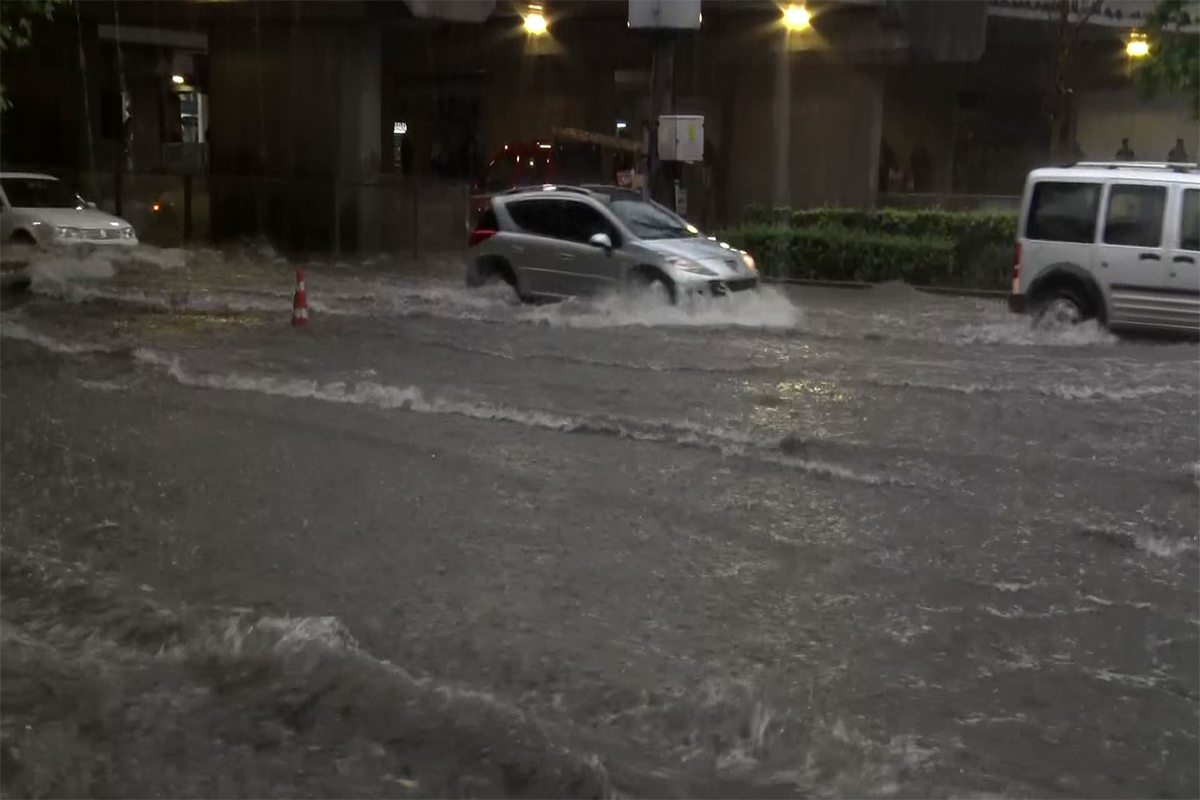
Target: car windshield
[[647, 220], [40, 193]]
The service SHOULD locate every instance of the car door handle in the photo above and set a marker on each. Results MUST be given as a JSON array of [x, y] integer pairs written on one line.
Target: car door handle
[[566, 256], [1183, 260], [1148, 257]]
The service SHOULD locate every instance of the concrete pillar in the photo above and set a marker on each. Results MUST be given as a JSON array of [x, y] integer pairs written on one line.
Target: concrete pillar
[[295, 112], [360, 135]]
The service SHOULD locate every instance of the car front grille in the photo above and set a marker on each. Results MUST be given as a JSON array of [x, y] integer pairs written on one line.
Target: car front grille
[[721, 288]]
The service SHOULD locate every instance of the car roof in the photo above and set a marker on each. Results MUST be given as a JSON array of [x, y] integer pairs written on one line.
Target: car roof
[[545, 190], [1110, 170], [36, 175]]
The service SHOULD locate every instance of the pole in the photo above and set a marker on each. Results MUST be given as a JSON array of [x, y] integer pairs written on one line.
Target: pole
[[783, 125], [662, 82], [187, 207]]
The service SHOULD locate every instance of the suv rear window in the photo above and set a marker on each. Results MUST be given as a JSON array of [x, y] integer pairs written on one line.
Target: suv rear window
[[1063, 212], [1189, 222]]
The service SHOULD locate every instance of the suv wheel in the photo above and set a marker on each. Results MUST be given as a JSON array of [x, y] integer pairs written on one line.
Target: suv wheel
[[1061, 307]]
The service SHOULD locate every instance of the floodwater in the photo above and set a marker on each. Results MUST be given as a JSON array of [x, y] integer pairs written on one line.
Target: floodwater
[[808, 542]]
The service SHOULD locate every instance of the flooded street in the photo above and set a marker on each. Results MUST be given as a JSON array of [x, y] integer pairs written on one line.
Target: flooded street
[[812, 542]]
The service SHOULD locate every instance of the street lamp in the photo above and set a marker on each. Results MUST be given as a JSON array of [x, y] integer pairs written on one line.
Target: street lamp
[[535, 23], [1137, 46], [796, 18]]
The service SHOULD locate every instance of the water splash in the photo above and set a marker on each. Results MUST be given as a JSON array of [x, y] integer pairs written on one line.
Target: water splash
[[1021, 332], [767, 308]]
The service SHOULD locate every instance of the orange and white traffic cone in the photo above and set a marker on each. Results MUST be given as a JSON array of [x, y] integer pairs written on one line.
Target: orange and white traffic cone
[[300, 303]]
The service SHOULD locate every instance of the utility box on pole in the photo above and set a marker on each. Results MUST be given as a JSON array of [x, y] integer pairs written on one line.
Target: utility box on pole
[[681, 137], [680, 15]]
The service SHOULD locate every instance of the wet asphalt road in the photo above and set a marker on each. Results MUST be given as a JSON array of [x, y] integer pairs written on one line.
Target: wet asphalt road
[[818, 542]]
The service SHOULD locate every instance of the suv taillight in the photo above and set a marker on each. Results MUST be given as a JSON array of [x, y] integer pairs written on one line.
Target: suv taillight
[[1016, 281], [479, 236]]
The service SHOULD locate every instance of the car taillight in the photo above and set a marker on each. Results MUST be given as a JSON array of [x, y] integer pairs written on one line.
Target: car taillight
[[1016, 281], [479, 236]]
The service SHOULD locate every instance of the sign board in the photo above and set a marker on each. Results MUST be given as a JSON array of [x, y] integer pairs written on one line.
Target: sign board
[[604, 140], [452, 10], [664, 14], [681, 137]]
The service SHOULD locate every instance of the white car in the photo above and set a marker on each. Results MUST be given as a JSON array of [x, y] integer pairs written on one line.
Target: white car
[[42, 210], [1116, 242]]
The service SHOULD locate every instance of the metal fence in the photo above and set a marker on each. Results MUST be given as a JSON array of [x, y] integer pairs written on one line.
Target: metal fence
[[411, 217]]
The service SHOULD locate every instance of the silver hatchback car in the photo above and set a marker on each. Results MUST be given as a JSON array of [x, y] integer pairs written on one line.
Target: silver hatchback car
[[560, 241]]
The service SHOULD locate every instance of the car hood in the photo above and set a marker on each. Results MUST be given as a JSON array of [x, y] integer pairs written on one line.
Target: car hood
[[724, 261], [87, 218], [697, 248]]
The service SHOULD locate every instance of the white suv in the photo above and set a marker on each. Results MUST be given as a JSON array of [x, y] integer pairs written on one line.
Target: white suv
[[1115, 242]]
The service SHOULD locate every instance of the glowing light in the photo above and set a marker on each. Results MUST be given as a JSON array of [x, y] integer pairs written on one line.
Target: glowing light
[[796, 18], [399, 128], [177, 80], [535, 23], [1137, 47], [156, 208], [622, 124], [544, 146], [692, 229]]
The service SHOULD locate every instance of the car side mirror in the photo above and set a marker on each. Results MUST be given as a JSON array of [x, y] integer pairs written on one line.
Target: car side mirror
[[90, 205], [601, 240]]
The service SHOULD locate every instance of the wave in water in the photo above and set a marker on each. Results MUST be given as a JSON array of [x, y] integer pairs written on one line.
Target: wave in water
[[108, 691], [413, 398]]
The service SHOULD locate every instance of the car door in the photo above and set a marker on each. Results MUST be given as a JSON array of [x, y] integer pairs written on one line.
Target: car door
[[1131, 254], [535, 242], [587, 268], [1183, 264], [6, 218]]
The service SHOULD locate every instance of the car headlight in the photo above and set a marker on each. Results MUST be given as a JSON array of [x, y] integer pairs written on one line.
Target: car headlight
[[748, 260], [68, 233], [687, 265], [128, 233]]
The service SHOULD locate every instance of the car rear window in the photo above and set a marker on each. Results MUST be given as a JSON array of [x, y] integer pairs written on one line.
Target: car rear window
[[542, 217], [487, 220], [1063, 212]]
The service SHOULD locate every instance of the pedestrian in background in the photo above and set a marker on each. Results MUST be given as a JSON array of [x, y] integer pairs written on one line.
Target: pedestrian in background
[[1126, 152], [1178, 154]]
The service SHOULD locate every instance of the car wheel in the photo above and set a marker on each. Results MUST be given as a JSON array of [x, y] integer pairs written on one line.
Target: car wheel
[[1061, 308], [23, 237], [656, 286], [491, 272]]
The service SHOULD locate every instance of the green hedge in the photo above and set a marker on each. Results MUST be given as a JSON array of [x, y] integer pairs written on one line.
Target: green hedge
[[883, 244], [839, 254]]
